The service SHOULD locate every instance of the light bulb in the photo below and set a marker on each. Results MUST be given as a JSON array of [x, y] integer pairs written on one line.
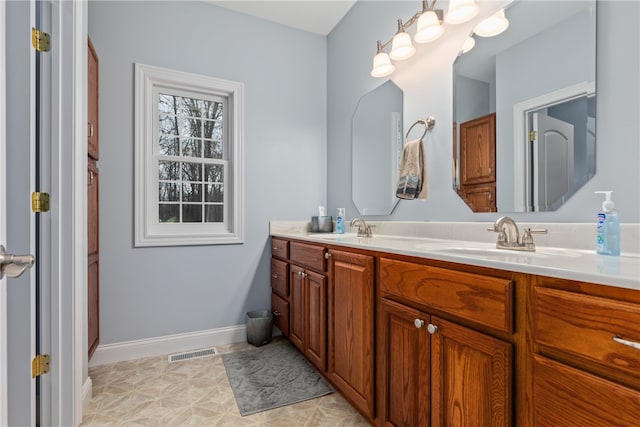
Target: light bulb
[[461, 11], [429, 27], [401, 47], [382, 65], [493, 25]]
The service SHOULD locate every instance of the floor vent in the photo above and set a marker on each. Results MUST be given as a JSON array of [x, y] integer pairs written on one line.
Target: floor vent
[[196, 354]]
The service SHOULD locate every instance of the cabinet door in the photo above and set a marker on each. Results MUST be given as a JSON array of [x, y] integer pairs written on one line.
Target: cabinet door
[[351, 315], [404, 362], [315, 343], [478, 150], [296, 306], [470, 377], [93, 254], [92, 208]]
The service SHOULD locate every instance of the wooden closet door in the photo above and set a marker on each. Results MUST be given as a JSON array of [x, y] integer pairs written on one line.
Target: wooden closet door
[[93, 233]]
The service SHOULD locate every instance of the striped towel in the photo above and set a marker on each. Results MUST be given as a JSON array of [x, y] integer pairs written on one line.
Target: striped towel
[[412, 183]]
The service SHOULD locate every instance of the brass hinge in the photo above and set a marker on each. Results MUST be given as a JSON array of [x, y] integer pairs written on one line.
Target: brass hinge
[[532, 135], [39, 202], [40, 40], [40, 365]]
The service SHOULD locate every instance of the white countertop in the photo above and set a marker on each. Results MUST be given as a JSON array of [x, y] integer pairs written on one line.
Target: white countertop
[[566, 263]]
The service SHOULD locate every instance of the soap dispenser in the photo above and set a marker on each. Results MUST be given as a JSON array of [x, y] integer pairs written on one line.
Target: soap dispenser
[[608, 230]]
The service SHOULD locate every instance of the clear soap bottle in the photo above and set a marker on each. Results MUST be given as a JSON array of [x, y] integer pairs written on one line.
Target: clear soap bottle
[[340, 221], [608, 230]]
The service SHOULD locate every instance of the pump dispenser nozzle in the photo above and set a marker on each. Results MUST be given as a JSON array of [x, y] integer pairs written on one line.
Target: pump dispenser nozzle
[[608, 204]]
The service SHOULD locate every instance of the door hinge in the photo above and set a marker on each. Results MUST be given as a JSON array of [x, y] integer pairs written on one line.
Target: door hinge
[[40, 365], [39, 202], [532, 135], [40, 40]]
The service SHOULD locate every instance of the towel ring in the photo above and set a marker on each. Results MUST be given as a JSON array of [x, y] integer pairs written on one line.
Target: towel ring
[[429, 123]]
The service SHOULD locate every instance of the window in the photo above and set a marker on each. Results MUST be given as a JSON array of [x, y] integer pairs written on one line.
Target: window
[[188, 159]]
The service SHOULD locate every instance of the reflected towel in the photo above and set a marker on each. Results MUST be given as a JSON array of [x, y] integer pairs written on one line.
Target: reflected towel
[[412, 183]]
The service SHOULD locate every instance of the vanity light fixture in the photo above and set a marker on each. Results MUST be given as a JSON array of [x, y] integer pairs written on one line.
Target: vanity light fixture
[[401, 48], [493, 25], [382, 65], [429, 28]]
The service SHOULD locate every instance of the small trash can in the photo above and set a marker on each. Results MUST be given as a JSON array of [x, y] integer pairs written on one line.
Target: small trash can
[[259, 327]]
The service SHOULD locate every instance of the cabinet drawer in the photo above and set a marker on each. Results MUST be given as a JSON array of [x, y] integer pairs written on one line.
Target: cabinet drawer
[[564, 396], [280, 277], [585, 326], [308, 255], [280, 310], [482, 299], [280, 248]]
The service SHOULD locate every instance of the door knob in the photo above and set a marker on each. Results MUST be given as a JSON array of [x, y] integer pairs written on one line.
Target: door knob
[[14, 265]]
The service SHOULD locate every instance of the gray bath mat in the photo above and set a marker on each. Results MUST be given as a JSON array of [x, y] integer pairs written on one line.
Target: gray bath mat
[[272, 376]]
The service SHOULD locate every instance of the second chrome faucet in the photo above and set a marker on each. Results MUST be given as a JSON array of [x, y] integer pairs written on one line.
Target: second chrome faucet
[[509, 235], [364, 230]]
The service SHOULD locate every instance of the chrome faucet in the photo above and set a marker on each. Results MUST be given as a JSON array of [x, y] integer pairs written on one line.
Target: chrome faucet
[[364, 230], [509, 235]]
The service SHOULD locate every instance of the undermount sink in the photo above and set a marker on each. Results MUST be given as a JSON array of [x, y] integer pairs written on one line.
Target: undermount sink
[[507, 253], [332, 236]]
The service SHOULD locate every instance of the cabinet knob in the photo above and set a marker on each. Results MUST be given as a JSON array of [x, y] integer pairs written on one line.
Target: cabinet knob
[[419, 323], [275, 248], [431, 328], [276, 313], [327, 255], [275, 276]]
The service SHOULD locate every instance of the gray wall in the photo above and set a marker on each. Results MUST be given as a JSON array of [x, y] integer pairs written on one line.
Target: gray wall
[[150, 292], [427, 84]]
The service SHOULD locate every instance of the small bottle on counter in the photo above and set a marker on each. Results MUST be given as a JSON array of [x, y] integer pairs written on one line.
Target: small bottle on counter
[[608, 231], [340, 221]]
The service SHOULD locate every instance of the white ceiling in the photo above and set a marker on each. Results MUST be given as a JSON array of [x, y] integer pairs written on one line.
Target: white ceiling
[[315, 16]]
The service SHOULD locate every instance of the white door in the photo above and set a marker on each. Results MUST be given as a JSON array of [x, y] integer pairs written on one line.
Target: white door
[[18, 153], [552, 161]]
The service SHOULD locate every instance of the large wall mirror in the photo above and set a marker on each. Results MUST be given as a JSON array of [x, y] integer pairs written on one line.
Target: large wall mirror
[[524, 109], [376, 147]]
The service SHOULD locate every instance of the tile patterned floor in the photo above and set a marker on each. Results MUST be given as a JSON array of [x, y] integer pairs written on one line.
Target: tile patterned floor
[[153, 392]]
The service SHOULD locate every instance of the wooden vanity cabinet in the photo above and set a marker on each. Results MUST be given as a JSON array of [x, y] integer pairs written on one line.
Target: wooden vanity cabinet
[[280, 284], [351, 327], [308, 302], [434, 371]]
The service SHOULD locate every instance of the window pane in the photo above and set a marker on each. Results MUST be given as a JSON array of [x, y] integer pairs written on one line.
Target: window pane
[[168, 104], [213, 173], [215, 193], [213, 130], [191, 213], [212, 149], [168, 146], [168, 125], [190, 126], [191, 147], [213, 110], [214, 213], [191, 107], [168, 171], [168, 213], [191, 171], [191, 192], [168, 192]]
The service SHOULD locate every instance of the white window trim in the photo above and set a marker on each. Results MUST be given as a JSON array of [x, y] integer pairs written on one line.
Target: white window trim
[[148, 230]]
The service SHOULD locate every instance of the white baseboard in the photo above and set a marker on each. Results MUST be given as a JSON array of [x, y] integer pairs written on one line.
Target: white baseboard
[[130, 350], [87, 393]]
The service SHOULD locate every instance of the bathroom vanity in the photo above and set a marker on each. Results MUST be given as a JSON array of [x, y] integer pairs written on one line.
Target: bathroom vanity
[[419, 331]]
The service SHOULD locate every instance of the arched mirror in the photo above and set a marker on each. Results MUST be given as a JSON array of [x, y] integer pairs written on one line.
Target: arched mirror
[[524, 109], [376, 147]]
